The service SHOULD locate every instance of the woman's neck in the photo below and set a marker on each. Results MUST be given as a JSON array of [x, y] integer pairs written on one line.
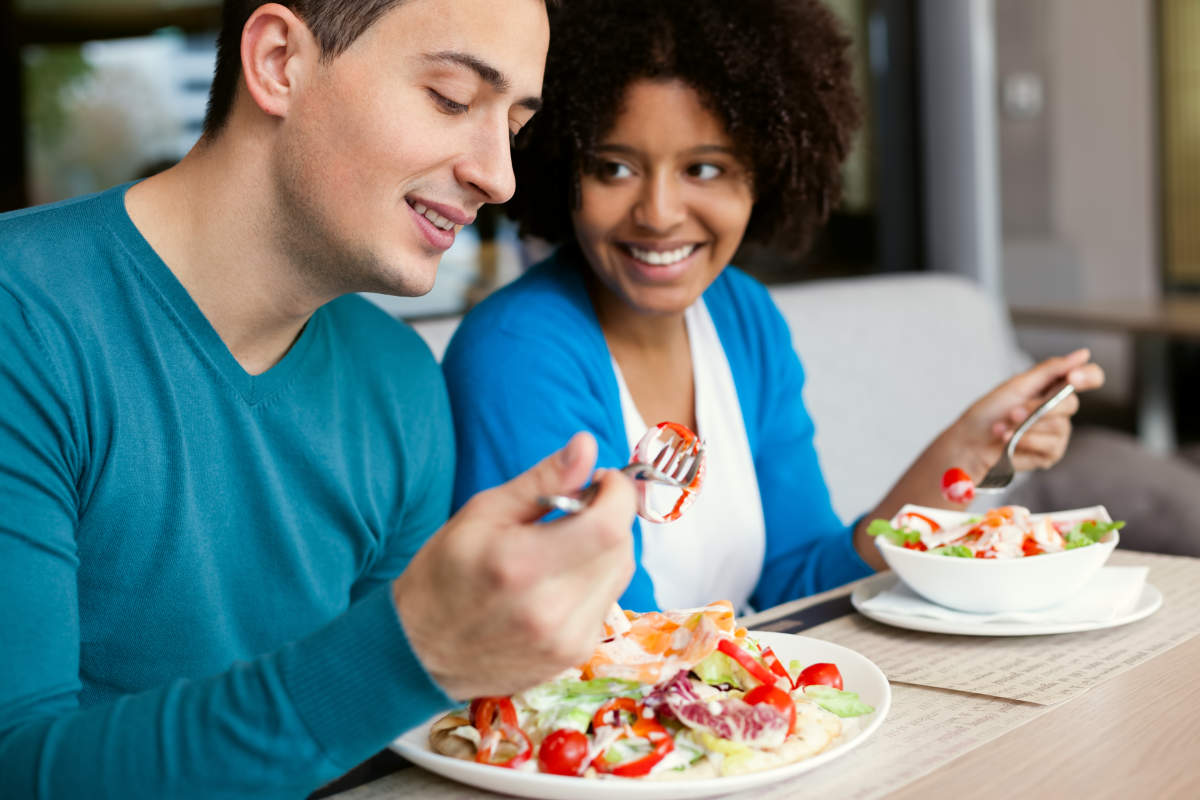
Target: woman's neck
[[654, 354]]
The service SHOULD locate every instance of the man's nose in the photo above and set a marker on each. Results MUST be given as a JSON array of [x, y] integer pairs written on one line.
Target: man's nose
[[487, 167]]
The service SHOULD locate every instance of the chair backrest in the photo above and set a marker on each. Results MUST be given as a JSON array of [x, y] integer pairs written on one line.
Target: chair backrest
[[890, 362]]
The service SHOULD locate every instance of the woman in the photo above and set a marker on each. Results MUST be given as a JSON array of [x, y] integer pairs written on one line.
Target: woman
[[672, 133]]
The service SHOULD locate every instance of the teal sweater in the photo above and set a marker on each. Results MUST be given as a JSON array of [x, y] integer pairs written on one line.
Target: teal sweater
[[194, 561]]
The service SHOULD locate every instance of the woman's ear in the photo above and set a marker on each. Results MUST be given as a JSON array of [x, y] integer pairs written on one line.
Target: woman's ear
[[277, 49]]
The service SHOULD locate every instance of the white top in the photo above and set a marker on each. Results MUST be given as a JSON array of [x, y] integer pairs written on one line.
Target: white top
[[715, 550]]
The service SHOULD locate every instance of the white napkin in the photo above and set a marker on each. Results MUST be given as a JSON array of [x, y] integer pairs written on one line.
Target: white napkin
[[1112, 592]]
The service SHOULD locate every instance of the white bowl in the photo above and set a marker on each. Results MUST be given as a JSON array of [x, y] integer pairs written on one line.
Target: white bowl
[[1003, 584]]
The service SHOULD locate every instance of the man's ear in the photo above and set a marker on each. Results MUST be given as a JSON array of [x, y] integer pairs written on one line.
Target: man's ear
[[277, 48]]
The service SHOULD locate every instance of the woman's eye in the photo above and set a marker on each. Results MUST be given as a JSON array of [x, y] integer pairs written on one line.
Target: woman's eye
[[705, 172], [614, 170], [447, 104]]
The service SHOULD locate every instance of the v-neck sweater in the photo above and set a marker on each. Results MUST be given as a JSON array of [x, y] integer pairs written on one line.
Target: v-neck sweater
[[195, 561]]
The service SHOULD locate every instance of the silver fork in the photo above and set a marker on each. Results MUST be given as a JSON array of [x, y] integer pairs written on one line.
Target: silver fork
[[1001, 474], [673, 465]]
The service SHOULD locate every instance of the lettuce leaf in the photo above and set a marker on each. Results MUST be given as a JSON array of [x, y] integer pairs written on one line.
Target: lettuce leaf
[[1090, 532], [897, 536], [844, 704], [953, 550]]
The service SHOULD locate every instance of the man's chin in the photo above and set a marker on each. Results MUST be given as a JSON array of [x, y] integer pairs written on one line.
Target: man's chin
[[406, 282]]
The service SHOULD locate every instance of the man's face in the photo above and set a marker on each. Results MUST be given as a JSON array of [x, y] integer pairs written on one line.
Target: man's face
[[393, 146]]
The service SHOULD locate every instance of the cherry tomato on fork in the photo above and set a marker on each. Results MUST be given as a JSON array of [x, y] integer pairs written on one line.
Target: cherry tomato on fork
[[821, 673], [563, 752], [957, 486]]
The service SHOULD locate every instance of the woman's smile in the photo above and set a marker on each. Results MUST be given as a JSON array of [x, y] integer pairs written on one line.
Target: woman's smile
[[660, 263]]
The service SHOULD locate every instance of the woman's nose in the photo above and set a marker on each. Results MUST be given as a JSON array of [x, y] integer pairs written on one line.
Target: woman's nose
[[660, 206]]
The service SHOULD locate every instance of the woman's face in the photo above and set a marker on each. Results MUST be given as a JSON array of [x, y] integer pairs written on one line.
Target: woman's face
[[665, 203]]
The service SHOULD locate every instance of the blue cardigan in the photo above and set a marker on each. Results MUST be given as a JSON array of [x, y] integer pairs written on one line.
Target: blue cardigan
[[529, 367]]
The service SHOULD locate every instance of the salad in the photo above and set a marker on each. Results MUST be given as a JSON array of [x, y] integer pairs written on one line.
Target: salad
[[1005, 532], [658, 502], [664, 695]]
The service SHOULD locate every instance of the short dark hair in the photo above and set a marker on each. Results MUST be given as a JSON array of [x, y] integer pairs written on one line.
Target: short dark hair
[[336, 24], [774, 71]]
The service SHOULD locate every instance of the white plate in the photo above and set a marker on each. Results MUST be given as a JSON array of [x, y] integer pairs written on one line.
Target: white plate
[[1149, 602], [859, 674]]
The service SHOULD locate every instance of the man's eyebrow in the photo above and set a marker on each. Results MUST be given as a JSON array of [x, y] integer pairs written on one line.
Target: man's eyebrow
[[485, 71]]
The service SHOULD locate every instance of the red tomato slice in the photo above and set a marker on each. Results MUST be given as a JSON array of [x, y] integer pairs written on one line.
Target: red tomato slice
[[563, 752], [774, 696], [910, 515], [821, 673], [957, 486], [775, 665], [757, 670]]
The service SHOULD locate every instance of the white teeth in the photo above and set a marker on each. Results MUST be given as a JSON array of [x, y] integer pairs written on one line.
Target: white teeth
[[663, 258], [434, 217]]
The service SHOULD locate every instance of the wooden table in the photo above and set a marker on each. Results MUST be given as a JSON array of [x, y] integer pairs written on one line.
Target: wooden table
[[1138, 735], [1135, 734], [1152, 325]]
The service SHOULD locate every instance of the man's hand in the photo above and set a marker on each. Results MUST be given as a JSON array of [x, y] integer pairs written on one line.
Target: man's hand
[[496, 602]]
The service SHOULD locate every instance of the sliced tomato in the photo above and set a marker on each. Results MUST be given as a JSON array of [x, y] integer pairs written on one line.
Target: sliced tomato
[[774, 696], [1030, 547], [614, 707], [485, 710], [757, 670], [496, 720], [957, 486], [775, 665], [907, 515], [643, 726], [563, 752], [822, 673]]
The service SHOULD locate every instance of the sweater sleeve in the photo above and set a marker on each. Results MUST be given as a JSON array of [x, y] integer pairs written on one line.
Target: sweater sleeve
[[277, 725], [809, 549]]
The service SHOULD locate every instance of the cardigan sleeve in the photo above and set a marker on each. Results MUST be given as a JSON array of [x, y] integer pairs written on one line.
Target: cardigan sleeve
[[808, 549]]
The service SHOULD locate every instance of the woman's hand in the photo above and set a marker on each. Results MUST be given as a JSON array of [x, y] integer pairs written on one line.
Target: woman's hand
[[976, 439], [981, 433]]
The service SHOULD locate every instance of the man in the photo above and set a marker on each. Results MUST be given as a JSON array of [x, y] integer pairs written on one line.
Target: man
[[214, 461]]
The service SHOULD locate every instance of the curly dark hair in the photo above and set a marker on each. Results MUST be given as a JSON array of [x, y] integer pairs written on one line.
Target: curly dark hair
[[774, 71]]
